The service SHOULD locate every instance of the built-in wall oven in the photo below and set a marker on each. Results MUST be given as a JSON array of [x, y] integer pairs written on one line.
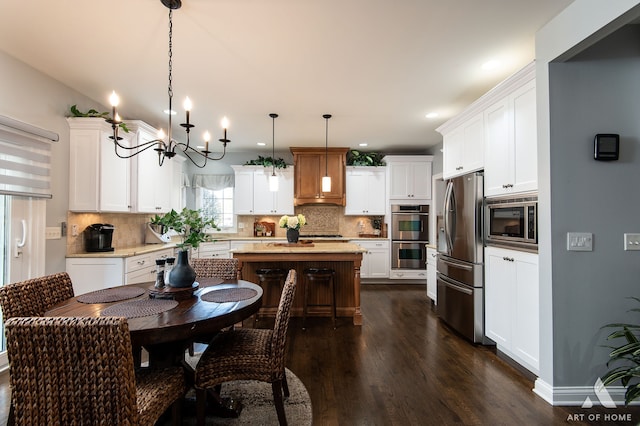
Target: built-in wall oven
[[409, 236]]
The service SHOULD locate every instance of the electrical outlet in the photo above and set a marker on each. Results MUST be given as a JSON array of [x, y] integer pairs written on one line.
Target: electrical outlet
[[632, 241], [74, 230], [53, 233]]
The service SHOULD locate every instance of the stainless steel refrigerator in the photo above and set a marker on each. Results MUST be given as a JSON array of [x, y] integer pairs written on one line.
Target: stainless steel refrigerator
[[461, 257]]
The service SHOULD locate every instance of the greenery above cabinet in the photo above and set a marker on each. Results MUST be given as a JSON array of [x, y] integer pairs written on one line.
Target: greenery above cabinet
[[278, 163], [360, 158]]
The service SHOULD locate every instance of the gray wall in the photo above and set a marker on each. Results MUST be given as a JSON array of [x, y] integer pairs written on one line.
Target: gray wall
[[31, 96], [595, 92]]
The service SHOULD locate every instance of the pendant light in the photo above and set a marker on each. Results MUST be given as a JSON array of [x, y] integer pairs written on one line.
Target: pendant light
[[326, 180], [273, 179]]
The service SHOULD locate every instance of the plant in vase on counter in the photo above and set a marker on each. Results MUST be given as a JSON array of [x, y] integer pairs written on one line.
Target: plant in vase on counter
[[292, 224], [192, 228]]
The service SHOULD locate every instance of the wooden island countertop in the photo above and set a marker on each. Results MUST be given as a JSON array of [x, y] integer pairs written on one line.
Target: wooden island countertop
[[344, 258]]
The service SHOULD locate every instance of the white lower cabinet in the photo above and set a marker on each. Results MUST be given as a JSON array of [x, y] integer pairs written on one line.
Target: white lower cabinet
[[213, 250], [95, 273], [375, 261], [432, 279], [512, 304]]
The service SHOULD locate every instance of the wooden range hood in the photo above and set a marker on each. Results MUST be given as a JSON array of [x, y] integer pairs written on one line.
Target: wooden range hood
[[310, 165]]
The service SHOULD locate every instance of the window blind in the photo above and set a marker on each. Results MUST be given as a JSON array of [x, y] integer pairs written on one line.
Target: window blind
[[25, 159]]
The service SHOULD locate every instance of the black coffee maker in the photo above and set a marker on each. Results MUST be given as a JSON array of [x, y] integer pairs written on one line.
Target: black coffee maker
[[98, 237]]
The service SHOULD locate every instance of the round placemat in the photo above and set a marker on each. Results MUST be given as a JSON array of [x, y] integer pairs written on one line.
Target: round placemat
[[111, 295], [229, 295], [139, 308]]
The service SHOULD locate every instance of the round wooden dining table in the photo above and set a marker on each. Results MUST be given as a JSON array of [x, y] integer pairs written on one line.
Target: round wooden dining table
[[166, 334]]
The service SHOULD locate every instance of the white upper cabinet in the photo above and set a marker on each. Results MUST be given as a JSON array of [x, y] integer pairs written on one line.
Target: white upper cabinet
[[511, 146], [99, 181], [153, 183], [463, 148], [409, 177], [498, 133], [252, 194], [366, 190]]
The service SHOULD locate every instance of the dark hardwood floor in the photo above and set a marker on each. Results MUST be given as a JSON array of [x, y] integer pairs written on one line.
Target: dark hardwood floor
[[404, 367]]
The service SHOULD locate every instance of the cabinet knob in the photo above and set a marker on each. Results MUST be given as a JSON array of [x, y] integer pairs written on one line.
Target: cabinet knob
[[508, 259]]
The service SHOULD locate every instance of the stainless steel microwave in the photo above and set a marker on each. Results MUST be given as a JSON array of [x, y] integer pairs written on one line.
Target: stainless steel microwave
[[512, 222]]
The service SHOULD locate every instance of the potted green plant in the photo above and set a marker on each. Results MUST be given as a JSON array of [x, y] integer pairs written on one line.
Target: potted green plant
[[627, 358], [191, 227]]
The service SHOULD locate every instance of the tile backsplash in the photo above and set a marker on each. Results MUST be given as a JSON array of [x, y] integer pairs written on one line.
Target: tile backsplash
[[130, 228]]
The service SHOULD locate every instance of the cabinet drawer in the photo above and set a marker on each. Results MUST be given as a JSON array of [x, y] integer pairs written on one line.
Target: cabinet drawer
[[417, 274], [145, 274], [148, 260]]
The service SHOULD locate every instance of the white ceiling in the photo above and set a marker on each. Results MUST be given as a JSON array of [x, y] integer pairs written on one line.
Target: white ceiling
[[377, 65]]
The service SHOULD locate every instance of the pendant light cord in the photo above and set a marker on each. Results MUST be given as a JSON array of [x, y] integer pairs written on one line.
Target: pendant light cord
[[273, 116], [326, 144]]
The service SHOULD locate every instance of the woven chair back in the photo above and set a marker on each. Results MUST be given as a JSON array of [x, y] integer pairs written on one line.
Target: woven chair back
[[279, 336], [226, 269], [71, 371], [35, 296]]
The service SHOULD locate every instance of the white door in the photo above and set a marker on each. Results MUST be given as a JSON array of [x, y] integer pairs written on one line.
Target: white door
[[22, 229]]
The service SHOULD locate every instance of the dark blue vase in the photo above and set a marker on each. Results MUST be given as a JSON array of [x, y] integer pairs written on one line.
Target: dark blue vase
[[292, 235], [182, 275]]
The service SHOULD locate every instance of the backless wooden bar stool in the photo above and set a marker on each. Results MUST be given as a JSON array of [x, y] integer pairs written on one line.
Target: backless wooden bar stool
[[314, 276], [271, 278]]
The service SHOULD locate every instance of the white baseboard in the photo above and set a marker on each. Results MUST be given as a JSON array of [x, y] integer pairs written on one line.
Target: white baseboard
[[576, 395]]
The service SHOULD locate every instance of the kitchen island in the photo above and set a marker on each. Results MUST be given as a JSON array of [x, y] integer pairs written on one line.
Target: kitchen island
[[344, 258]]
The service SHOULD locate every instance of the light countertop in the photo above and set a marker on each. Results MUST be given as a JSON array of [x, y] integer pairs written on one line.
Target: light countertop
[[126, 252], [324, 247]]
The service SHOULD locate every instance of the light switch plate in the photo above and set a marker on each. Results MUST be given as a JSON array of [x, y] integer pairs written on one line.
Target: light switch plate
[[631, 241], [579, 241]]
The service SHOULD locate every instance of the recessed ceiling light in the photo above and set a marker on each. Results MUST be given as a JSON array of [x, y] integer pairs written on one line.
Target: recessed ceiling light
[[363, 144], [261, 144], [432, 115], [172, 112]]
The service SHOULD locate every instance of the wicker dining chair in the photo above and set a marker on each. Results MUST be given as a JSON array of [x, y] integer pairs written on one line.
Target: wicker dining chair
[[66, 370], [248, 354], [33, 297], [226, 269]]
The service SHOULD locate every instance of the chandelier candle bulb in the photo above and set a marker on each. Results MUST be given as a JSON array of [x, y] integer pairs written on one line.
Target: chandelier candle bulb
[[225, 124], [206, 137], [187, 107], [114, 100]]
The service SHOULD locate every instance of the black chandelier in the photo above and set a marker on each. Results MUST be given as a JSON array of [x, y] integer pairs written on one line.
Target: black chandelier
[[166, 147]]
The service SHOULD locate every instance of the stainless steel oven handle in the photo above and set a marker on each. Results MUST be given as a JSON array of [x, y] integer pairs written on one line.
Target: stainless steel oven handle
[[456, 264], [455, 286]]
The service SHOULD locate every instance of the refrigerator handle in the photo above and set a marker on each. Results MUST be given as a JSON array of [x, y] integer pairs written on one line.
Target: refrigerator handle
[[446, 218], [449, 216]]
